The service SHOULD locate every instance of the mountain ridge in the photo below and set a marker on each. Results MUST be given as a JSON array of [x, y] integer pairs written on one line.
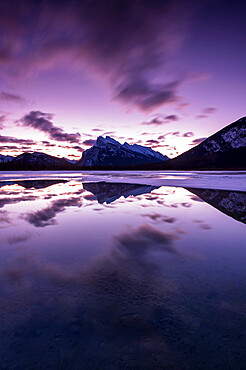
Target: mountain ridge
[[224, 150]]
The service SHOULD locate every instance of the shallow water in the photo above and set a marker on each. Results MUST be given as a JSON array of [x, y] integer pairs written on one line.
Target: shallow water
[[120, 276]]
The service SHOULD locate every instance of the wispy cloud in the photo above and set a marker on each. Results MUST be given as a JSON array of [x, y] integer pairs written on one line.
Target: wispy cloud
[[89, 142], [160, 119], [11, 98], [42, 121], [198, 141], [125, 42]]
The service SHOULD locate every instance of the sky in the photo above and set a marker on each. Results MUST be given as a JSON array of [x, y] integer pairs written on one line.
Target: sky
[[164, 74]]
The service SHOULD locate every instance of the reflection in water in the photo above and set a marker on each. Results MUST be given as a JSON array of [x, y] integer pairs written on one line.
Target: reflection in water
[[109, 192], [34, 184], [136, 285], [232, 203], [46, 216], [144, 238]]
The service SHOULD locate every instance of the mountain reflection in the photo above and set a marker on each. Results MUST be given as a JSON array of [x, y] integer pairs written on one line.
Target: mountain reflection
[[33, 184], [109, 192], [232, 203]]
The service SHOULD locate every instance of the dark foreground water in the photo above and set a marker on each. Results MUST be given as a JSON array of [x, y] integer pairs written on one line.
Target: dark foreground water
[[120, 276]]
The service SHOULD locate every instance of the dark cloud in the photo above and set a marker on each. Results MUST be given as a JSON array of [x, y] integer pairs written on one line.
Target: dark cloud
[[18, 239], [42, 122], [11, 98], [127, 43], [152, 141], [144, 238], [149, 97], [13, 200], [14, 140], [209, 110], [77, 147], [174, 133], [196, 198], [161, 119], [198, 141], [46, 216], [9, 147], [89, 142], [188, 134], [206, 112], [156, 217], [172, 117], [201, 116], [48, 144]]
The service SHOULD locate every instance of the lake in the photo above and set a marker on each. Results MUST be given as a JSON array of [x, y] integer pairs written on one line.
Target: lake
[[122, 271]]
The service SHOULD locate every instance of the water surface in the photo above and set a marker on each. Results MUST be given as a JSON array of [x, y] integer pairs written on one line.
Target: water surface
[[100, 275]]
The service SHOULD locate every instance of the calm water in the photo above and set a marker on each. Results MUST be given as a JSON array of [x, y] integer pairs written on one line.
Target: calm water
[[120, 276]]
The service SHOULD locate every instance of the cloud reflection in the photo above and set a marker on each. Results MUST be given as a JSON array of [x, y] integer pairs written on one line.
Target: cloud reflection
[[144, 238], [46, 216]]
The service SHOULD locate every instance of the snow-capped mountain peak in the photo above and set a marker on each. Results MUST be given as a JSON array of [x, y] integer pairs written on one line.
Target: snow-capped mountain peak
[[109, 152]]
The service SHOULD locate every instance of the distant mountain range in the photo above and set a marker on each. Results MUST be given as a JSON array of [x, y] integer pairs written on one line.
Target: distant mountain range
[[224, 150], [5, 158], [36, 161]]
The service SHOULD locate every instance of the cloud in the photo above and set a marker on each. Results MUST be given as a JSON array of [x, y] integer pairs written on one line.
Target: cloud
[[78, 148], [89, 142], [10, 139], [13, 200], [126, 43], [196, 198], [172, 117], [209, 110], [46, 216], [198, 141], [161, 119], [4, 218], [2, 121], [174, 133], [42, 122], [18, 239], [201, 116], [188, 134], [11, 98], [148, 97], [145, 238], [156, 217], [206, 112], [152, 141]]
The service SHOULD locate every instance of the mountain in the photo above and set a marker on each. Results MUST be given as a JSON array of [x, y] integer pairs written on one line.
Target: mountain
[[33, 184], [5, 158], [109, 192], [232, 203], [226, 149], [109, 153], [36, 161]]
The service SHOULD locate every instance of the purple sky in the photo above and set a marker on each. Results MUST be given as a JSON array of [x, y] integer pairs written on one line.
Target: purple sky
[[159, 73]]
